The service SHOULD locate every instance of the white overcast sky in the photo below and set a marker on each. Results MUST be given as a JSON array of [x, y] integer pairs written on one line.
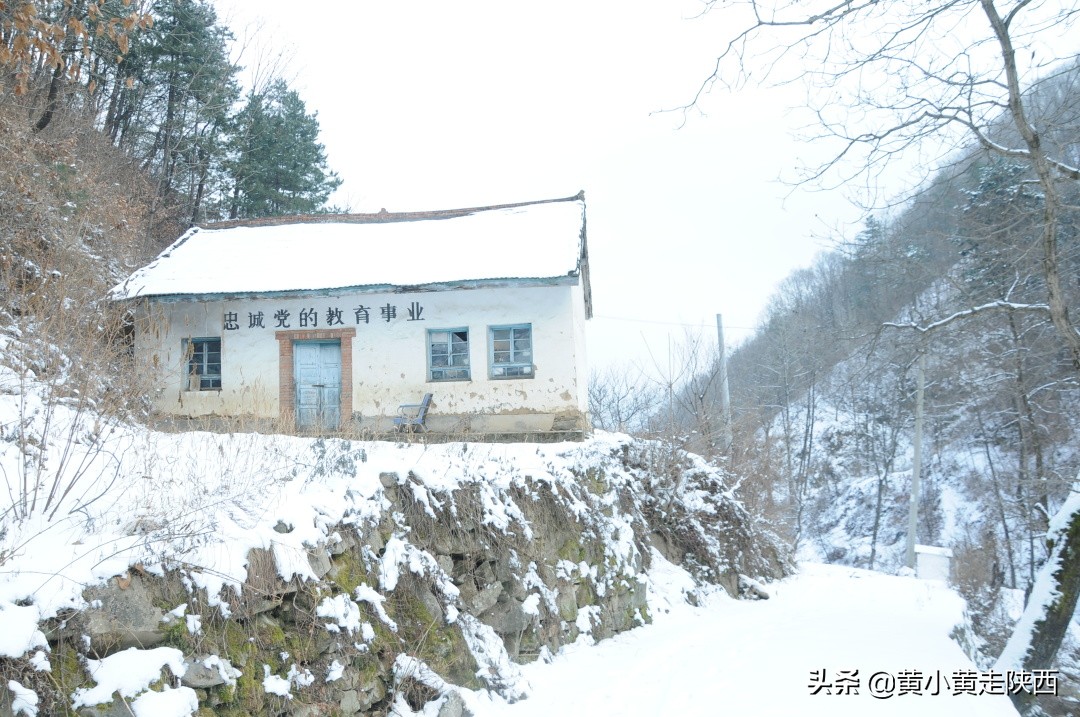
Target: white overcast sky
[[435, 104]]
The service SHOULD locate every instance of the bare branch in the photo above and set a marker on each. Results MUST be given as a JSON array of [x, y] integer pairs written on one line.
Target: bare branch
[[993, 306]]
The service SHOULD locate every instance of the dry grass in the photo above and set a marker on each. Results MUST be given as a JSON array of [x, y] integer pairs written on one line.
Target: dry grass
[[74, 219]]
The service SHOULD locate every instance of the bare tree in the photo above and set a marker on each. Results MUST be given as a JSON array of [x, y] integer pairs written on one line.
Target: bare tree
[[890, 77], [620, 399]]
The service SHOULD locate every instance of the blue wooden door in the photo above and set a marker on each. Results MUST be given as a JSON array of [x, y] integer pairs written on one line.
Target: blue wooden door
[[317, 366]]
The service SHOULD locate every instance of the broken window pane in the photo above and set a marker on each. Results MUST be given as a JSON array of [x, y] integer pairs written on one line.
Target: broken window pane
[[448, 355], [203, 364]]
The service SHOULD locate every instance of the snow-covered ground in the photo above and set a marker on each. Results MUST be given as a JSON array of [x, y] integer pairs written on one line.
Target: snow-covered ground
[[729, 657]]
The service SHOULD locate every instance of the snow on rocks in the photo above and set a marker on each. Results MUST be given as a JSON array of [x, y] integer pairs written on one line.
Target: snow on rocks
[[180, 702], [335, 671], [503, 675], [275, 685], [370, 596], [208, 671], [40, 661], [343, 612], [130, 673], [24, 701], [19, 631], [469, 557]]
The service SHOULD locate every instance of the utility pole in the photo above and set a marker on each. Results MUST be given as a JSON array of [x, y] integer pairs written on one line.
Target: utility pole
[[725, 397], [916, 467]]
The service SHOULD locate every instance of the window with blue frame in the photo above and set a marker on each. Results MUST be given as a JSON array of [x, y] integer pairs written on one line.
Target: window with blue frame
[[448, 355], [203, 364], [511, 351]]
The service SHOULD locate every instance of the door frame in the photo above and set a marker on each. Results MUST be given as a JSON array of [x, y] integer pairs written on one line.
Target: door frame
[[287, 378]]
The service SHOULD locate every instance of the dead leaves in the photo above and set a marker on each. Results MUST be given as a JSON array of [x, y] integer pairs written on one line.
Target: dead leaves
[[34, 41]]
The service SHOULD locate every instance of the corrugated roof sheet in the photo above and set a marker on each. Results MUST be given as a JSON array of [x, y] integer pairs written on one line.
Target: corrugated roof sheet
[[533, 240]]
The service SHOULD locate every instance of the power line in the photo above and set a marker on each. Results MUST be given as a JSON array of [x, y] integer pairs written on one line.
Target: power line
[[670, 323]]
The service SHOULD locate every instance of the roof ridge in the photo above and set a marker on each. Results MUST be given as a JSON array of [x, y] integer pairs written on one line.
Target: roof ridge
[[379, 217]]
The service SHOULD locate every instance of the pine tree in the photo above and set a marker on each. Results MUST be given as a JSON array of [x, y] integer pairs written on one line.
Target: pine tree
[[191, 84], [278, 166]]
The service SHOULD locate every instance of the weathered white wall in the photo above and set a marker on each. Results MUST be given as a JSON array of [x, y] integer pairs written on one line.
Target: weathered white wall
[[581, 363], [389, 361]]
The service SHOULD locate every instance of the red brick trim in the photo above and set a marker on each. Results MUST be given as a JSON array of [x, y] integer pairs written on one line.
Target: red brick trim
[[286, 382]]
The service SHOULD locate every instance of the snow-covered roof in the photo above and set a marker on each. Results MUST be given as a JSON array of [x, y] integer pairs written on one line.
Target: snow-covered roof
[[531, 240]]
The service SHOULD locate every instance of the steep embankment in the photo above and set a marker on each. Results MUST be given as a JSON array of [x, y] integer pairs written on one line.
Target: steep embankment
[[257, 575]]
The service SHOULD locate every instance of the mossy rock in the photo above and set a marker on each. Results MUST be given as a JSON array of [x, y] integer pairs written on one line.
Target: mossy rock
[[67, 668], [268, 632], [348, 571], [229, 639], [442, 647], [225, 693], [177, 635], [585, 594], [529, 646], [595, 481], [304, 647], [250, 695], [572, 550]]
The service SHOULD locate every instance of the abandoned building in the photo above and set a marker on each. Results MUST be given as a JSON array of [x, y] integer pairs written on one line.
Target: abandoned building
[[333, 322]]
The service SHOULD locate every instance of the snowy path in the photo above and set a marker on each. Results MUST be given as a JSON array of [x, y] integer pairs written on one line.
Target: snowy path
[[756, 658]]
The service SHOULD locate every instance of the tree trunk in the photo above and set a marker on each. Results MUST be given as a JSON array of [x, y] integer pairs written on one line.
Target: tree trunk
[[52, 100], [1000, 501], [1030, 443], [112, 114], [1041, 628], [877, 520]]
